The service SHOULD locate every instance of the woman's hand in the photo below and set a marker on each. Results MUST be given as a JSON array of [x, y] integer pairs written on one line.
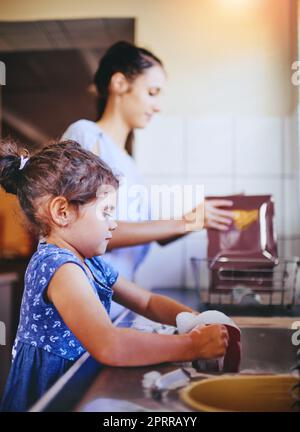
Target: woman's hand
[[210, 341], [217, 218], [209, 215]]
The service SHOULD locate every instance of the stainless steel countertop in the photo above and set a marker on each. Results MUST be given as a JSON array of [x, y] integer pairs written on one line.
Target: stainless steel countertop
[[89, 386]]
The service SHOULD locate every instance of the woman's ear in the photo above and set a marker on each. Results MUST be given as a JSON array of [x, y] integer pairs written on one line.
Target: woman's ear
[[61, 212], [119, 84]]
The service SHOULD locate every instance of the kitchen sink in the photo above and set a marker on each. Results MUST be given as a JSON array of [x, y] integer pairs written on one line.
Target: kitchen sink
[[267, 380], [265, 350], [269, 350]]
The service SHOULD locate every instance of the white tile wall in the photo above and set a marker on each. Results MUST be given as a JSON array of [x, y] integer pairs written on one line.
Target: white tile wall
[[291, 207], [174, 183], [195, 245], [159, 148], [227, 155], [281, 245], [290, 150], [213, 185], [210, 146], [292, 247], [163, 267], [258, 146], [156, 270]]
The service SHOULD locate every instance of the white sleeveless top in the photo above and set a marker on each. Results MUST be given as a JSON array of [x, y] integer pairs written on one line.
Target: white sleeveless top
[[131, 208]]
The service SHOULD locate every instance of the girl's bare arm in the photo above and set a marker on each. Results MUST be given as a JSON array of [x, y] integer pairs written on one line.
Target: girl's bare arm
[[152, 306], [83, 313]]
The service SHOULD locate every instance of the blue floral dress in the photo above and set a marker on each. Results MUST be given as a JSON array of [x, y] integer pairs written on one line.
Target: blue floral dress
[[45, 348]]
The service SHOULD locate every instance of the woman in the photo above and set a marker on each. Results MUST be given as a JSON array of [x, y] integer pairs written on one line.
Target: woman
[[130, 81]]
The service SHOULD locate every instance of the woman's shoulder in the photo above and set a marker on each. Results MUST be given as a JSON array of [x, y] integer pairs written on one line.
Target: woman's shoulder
[[82, 124], [82, 131]]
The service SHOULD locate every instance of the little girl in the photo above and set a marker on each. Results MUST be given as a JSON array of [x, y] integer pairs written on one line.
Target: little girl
[[68, 195]]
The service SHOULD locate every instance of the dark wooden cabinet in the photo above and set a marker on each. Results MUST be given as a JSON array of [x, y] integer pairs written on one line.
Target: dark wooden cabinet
[[11, 290]]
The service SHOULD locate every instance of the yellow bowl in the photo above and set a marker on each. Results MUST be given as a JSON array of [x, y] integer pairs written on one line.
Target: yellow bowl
[[266, 393]]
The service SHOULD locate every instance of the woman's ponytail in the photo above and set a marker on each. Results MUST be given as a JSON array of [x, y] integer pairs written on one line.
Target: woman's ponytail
[[122, 57]]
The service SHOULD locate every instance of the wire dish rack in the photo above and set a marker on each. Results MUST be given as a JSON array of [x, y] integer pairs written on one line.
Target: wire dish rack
[[246, 282]]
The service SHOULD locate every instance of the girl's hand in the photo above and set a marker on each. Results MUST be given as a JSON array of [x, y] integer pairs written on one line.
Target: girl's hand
[[209, 341], [217, 218]]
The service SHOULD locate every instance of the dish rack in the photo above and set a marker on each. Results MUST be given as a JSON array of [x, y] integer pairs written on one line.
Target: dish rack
[[225, 280]]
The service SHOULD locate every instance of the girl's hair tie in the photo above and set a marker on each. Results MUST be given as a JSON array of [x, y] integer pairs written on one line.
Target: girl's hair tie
[[24, 160]]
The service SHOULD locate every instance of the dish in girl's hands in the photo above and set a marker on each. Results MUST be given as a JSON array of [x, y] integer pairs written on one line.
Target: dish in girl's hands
[[230, 362]]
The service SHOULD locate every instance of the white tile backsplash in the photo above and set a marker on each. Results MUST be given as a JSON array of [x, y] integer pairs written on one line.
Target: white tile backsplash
[[290, 145], [258, 144], [165, 184], [195, 245], [227, 155], [163, 267], [281, 246], [159, 149], [291, 247], [213, 185], [291, 207], [210, 146]]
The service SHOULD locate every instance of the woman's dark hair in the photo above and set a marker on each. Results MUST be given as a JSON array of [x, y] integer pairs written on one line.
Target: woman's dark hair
[[60, 169], [128, 59]]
